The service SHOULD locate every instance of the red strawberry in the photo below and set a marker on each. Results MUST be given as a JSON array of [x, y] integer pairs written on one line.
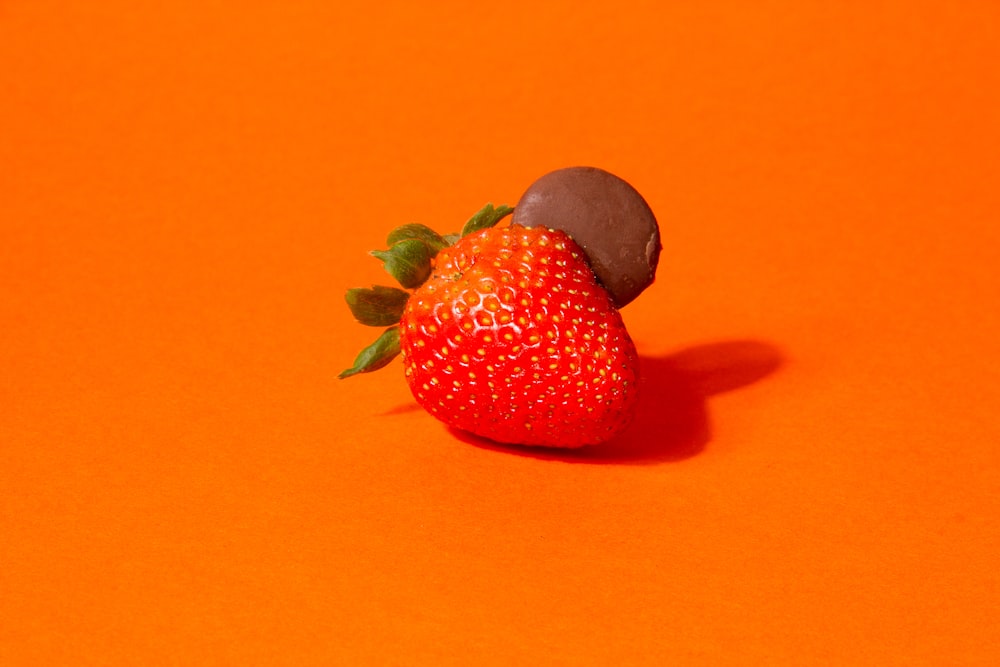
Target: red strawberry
[[511, 336]]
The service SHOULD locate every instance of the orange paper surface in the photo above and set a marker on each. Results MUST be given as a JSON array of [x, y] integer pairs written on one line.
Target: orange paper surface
[[187, 190]]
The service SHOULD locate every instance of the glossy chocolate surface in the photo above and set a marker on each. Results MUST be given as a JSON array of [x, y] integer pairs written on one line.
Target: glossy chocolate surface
[[606, 216]]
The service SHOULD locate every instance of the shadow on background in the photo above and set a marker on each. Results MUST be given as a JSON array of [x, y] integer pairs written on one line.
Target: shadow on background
[[672, 421]]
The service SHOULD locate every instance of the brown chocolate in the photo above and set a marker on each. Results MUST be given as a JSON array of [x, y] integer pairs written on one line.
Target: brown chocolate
[[606, 216]]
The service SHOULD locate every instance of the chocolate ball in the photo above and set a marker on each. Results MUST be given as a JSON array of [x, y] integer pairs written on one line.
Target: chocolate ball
[[606, 216]]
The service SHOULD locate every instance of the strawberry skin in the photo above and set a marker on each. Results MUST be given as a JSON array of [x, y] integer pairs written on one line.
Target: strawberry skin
[[512, 338]]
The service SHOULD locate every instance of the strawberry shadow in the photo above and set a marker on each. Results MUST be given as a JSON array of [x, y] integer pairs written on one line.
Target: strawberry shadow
[[672, 419]]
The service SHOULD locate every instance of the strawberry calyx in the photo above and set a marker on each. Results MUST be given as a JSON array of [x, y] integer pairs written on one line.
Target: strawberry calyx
[[417, 232], [409, 259], [485, 218], [378, 305], [375, 356]]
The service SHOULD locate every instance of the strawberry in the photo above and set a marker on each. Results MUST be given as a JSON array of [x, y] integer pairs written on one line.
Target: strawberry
[[507, 333]]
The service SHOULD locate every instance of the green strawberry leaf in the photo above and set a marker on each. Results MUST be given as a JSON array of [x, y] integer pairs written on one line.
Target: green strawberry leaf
[[407, 261], [486, 217], [377, 306], [420, 233], [375, 356]]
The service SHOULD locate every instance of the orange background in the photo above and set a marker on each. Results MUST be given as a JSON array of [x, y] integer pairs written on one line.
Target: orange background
[[185, 193]]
